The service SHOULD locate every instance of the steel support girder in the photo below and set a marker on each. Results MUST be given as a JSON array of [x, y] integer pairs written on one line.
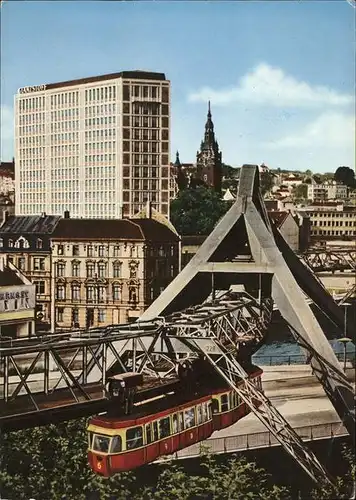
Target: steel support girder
[[192, 268], [295, 310], [229, 368]]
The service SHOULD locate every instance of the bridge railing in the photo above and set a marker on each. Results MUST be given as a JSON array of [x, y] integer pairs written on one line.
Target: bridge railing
[[243, 442], [296, 359]]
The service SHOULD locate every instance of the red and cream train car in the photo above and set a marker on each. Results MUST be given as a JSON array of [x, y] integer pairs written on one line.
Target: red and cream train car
[[160, 428]]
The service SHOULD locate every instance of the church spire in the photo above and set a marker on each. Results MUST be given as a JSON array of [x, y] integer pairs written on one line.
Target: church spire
[[177, 162], [209, 136]]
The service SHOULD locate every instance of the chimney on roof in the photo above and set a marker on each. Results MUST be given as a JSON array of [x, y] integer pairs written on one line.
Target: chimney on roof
[[149, 210], [66, 214]]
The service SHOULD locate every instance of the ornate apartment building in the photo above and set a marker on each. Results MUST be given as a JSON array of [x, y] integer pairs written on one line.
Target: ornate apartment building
[[92, 272], [97, 146]]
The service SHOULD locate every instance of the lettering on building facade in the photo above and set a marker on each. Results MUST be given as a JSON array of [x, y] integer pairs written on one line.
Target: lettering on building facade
[[17, 298], [35, 88]]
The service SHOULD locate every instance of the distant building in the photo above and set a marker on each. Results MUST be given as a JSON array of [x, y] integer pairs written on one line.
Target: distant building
[[209, 158], [96, 146], [330, 190], [331, 221], [208, 168], [17, 302], [7, 178]]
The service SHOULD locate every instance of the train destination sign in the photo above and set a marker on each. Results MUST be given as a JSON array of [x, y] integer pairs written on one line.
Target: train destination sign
[[35, 88]]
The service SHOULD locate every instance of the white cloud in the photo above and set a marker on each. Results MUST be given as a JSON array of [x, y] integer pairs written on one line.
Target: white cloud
[[6, 132], [329, 130], [272, 86]]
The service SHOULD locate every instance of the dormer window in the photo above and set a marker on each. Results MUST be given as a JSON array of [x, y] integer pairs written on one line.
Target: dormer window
[[11, 243], [39, 243]]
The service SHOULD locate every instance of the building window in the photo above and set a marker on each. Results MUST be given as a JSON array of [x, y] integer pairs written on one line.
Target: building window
[[60, 314], [1, 242], [101, 251], [75, 317], [10, 243], [116, 292], [101, 293], [75, 250], [75, 291], [101, 316], [60, 249], [102, 269], [40, 287], [60, 292], [21, 263], [133, 294], [61, 268], [90, 294], [38, 264], [75, 269], [90, 251], [39, 243], [90, 270], [116, 251], [117, 269]]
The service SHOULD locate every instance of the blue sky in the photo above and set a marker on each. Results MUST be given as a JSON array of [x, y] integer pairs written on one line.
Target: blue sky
[[280, 75]]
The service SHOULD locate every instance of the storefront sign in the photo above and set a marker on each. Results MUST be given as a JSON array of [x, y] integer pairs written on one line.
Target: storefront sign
[[16, 298], [36, 88]]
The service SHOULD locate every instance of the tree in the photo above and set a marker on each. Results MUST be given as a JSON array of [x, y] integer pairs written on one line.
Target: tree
[[266, 182], [301, 191], [51, 463], [196, 211], [345, 175]]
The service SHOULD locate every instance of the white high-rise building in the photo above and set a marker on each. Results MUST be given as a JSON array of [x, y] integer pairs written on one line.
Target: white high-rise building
[[96, 147]]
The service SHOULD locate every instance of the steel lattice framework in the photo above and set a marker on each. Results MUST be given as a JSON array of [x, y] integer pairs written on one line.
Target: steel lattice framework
[[330, 260]]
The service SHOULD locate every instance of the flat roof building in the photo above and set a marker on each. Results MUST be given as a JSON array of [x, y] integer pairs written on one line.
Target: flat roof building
[[97, 147]]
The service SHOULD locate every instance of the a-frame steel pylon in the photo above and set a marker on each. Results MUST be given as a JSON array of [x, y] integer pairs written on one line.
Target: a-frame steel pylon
[[246, 231]]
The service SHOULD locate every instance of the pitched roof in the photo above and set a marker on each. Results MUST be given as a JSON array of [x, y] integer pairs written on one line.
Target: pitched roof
[[156, 231], [278, 217], [101, 229], [24, 224], [9, 277]]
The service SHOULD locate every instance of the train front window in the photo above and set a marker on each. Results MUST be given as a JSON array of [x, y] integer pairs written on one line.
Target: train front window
[[90, 439], [101, 443], [134, 438], [116, 446]]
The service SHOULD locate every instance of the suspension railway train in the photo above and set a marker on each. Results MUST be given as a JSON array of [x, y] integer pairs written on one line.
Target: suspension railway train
[[158, 428]]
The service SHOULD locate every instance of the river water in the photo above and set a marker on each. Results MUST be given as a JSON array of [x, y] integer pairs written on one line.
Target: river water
[[280, 348]]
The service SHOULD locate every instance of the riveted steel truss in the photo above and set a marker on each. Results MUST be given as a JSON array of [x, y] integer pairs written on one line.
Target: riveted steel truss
[[226, 364], [330, 260], [72, 370]]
